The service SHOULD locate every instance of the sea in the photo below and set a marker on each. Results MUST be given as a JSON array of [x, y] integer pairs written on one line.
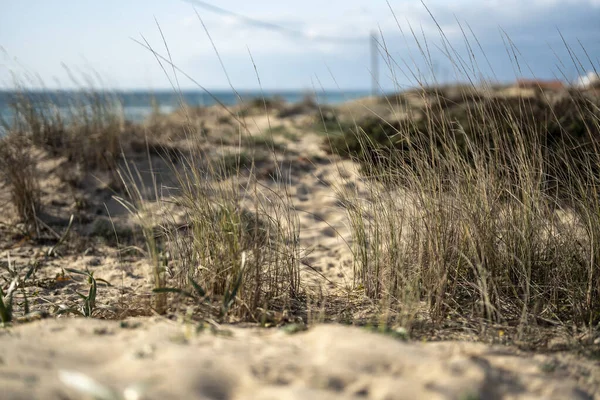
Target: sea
[[137, 105]]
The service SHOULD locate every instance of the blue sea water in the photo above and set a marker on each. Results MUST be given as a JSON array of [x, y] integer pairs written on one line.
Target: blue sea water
[[137, 105]]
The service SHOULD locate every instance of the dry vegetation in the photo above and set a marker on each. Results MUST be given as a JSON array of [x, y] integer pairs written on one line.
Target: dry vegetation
[[479, 212], [480, 209], [20, 177]]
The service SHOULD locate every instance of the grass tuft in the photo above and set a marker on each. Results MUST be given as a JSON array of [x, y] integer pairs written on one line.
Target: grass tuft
[[20, 177]]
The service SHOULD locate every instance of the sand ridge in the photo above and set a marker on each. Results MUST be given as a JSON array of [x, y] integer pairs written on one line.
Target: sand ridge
[[171, 360]]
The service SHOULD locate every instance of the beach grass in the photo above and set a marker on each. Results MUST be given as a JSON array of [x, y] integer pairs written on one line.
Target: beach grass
[[481, 209]]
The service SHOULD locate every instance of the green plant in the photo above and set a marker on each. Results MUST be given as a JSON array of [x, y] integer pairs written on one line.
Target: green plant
[[6, 304], [548, 367], [471, 218], [7, 298], [88, 306], [137, 207], [200, 295]]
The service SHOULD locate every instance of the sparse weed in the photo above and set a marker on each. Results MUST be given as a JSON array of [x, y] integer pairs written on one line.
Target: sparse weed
[[201, 297], [6, 304], [7, 298], [88, 306]]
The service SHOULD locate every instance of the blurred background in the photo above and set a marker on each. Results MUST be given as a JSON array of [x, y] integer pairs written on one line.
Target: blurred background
[[295, 45]]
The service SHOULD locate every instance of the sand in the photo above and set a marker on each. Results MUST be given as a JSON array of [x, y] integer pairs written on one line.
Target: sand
[[127, 352], [154, 358]]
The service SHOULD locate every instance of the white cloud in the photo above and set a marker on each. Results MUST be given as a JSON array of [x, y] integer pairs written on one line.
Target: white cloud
[[103, 36], [589, 79]]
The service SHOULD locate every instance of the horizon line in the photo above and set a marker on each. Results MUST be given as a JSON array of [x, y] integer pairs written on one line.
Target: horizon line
[[164, 90]]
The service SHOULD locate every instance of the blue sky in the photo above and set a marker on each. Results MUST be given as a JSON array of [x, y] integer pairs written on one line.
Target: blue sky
[[41, 36]]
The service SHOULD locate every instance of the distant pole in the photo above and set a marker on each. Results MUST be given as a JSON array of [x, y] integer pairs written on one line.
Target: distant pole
[[374, 64]]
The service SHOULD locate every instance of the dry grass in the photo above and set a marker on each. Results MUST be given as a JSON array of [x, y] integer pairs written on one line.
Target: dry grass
[[484, 209], [228, 243], [479, 208], [18, 170], [88, 130]]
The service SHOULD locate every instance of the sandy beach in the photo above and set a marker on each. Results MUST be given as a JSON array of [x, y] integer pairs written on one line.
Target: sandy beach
[[323, 350]]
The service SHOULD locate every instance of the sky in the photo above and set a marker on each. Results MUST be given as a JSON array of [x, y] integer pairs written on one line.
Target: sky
[[74, 43]]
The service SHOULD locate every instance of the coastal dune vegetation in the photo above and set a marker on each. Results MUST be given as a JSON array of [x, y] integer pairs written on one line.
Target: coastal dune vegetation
[[481, 205], [462, 211]]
